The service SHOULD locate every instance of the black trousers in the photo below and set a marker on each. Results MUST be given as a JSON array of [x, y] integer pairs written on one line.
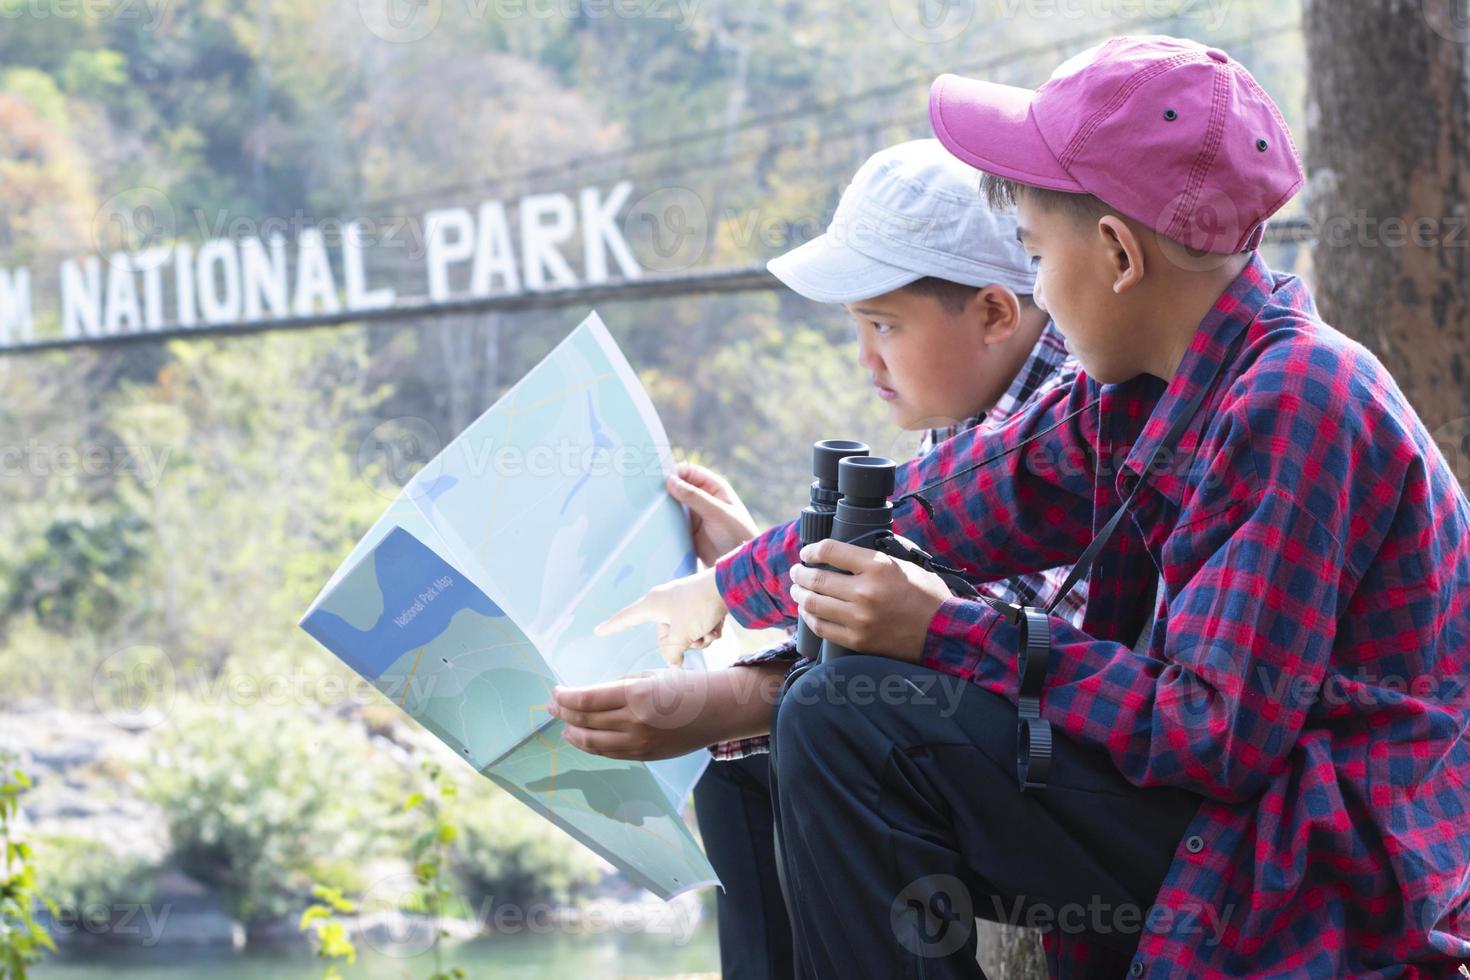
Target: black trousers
[[732, 802], [899, 820]]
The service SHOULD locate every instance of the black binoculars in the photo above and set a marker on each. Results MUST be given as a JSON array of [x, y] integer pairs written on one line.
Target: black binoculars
[[849, 502]]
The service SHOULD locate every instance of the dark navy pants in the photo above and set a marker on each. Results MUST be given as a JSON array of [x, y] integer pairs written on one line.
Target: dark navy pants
[[732, 802], [899, 821]]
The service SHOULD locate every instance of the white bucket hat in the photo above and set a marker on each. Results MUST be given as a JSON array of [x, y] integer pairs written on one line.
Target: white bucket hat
[[911, 211]]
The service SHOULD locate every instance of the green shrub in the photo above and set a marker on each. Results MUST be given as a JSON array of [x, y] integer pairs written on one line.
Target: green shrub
[[266, 801], [508, 853], [88, 882], [23, 941]]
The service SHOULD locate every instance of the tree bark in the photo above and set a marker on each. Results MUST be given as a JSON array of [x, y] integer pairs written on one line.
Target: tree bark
[[1388, 109], [1010, 952]]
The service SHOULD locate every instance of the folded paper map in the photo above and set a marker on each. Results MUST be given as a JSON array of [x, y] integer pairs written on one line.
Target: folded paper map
[[479, 588]]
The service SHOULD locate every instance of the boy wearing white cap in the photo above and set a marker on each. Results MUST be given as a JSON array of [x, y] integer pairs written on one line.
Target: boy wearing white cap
[[939, 288], [1273, 782]]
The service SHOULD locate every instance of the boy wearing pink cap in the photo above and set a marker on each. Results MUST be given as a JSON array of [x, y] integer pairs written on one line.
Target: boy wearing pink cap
[[1274, 779]]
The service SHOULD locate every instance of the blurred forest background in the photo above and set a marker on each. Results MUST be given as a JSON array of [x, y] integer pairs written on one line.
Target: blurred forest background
[[239, 471], [170, 508]]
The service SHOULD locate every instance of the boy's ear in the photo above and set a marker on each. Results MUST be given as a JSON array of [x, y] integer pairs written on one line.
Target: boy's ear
[[1123, 250], [998, 312]]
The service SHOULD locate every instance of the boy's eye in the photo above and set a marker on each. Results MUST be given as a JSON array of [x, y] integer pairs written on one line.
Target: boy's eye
[[881, 327], [1035, 260]]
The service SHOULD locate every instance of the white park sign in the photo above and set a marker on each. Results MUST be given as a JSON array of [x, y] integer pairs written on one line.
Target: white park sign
[[229, 281]]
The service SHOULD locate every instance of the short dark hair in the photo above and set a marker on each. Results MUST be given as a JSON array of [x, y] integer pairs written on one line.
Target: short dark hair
[[1002, 192], [953, 295]]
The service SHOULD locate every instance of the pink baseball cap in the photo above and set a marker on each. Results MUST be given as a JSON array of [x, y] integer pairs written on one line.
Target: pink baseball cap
[[1175, 135]]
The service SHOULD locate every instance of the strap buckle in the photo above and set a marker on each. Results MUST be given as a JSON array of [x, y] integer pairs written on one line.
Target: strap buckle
[[1034, 734]]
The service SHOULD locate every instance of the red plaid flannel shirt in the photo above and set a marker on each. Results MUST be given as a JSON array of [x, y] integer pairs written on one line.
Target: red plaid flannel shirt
[[1048, 365], [1307, 672]]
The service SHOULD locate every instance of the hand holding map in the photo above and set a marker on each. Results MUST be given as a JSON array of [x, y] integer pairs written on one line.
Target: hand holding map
[[479, 589]]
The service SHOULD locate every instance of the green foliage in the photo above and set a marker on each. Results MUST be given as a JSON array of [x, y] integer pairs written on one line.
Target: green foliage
[[507, 853], [332, 942], [94, 74], [234, 490], [22, 939], [39, 90], [88, 881], [430, 856], [78, 576], [788, 385], [264, 801]]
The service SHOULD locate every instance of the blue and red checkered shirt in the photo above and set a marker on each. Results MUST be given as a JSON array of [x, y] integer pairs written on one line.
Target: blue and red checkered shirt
[[1306, 674], [1048, 365]]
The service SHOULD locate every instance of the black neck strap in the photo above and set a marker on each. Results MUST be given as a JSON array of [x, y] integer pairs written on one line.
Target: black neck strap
[[1162, 456]]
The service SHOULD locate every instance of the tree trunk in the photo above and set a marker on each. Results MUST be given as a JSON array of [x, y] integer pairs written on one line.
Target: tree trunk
[[1010, 952], [1388, 109]]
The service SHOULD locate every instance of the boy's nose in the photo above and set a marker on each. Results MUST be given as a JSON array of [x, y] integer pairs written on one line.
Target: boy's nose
[[867, 357]]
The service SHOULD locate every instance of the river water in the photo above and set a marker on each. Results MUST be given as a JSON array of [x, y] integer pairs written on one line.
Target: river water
[[553, 956]]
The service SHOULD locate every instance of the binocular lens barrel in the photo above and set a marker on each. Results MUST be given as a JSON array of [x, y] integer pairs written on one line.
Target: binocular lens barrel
[[816, 518], [865, 483]]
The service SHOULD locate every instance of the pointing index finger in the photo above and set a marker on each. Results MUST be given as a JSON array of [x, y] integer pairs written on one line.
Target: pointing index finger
[[630, 615]]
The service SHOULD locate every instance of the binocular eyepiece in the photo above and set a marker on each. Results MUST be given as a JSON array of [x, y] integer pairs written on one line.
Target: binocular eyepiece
[[849, 502]]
